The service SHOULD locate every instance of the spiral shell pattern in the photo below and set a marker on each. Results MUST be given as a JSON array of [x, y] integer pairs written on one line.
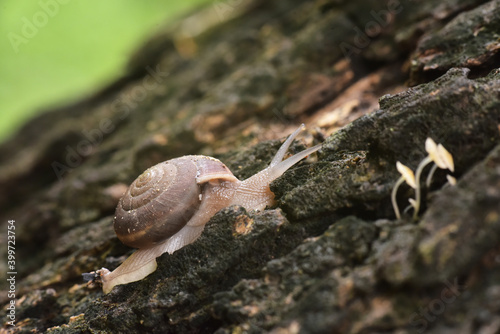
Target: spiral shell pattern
[[158, 203]]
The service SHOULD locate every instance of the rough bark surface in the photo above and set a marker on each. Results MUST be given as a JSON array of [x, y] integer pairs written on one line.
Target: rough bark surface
[[372, 80]]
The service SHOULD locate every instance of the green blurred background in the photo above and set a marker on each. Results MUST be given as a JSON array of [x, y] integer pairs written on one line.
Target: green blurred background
[[56, 51]]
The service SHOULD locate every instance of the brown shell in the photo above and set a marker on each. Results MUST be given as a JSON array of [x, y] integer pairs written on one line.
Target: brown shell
[[162, 200]]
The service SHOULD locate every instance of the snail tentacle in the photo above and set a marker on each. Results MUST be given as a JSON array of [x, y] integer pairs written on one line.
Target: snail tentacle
[[284, 147], [254, 192]]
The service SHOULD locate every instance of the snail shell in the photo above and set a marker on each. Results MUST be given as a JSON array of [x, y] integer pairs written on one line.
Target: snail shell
[[163, 199]]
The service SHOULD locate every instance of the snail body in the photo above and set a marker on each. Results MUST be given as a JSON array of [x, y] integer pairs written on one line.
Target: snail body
[[168, 205]]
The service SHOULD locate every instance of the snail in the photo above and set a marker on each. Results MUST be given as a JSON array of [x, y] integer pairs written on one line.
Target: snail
[[168, 205]]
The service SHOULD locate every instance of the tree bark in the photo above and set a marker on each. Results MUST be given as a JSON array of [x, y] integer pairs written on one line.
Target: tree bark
[[371, 80]]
